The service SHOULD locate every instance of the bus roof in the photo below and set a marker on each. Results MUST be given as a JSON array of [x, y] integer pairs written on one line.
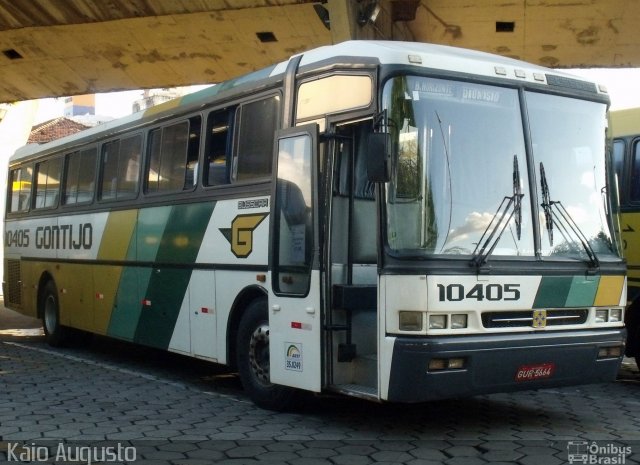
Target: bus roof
[[385, 52], [428, 56], [625, 122]]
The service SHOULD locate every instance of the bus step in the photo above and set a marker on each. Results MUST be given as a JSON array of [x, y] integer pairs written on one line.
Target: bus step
[[356, 390]]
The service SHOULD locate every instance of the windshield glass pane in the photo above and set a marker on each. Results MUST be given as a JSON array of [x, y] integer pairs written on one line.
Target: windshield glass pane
[[460, 155], [569, 152]]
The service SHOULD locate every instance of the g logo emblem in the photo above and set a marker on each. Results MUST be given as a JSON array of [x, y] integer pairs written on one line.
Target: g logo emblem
[[240, 235]]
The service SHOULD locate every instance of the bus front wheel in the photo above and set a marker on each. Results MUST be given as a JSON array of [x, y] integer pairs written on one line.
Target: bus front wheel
[[252, 352], [632, 323], [54, 332]]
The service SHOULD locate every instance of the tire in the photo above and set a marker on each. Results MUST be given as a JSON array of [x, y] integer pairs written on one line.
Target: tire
[[252, 352], [632, 323], [55, 333]]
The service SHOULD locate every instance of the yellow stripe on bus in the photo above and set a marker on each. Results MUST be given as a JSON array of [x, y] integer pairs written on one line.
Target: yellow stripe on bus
[[162, 107], [609, 291], [117, 235]]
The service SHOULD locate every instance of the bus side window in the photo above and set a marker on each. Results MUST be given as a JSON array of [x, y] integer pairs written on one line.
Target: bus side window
[[634, 191], [193, 150], [20, 189], [258, 122], [218, 147], [173, 157], [48, 183], [80, 176], [167, 157], [120, 168]]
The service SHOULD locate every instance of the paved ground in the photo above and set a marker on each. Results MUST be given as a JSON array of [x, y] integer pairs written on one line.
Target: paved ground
[[110, 400]]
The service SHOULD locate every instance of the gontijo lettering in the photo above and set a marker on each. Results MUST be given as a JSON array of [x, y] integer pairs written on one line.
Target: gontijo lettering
[[66, 236]]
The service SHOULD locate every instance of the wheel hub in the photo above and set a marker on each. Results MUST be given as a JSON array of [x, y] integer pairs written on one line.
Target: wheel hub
[[50, 315], [259, 354]]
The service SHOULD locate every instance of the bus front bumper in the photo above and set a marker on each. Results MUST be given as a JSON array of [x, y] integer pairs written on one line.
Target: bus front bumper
[[501, 363]]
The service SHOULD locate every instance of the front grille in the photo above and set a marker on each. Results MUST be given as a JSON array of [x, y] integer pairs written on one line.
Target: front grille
[[14, 283], [524, 318]]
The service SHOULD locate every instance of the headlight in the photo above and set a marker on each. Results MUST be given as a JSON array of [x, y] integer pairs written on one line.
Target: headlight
[[615, 315], [602, 315], [437, 321], [458, 321], [410, 321]]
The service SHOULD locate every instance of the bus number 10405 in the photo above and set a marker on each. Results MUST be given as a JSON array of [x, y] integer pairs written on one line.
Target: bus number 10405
[[480, 292]]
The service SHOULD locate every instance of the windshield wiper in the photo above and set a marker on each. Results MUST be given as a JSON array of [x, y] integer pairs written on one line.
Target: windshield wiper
[[556, 214], [510, 207]]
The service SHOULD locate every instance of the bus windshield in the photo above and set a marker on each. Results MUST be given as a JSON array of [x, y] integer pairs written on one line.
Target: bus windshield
[[460, 172]]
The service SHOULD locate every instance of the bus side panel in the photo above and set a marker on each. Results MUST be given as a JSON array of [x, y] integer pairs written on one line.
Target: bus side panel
[[117, 245], [630, 226], [31, 272], [236, 234], [26, 240], [203, 314], [105, 281], [237, 237], [75, 293], [73, 239], [178, 232]]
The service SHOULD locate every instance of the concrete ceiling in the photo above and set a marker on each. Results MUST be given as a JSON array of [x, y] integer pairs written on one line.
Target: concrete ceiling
[[69, 47]]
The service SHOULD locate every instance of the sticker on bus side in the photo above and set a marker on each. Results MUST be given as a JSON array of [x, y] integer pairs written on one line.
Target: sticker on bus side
[[293, 356]]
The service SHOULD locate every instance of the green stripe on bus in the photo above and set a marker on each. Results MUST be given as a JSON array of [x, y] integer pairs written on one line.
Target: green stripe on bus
[[566, 291], [126, 307], [583, 292], [180, 244], [149, 234], [126, 310], [553, 291]]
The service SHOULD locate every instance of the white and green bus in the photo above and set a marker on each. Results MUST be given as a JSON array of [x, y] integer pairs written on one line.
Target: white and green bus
[[394, 221]]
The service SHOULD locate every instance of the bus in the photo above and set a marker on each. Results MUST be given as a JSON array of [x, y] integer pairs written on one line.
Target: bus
[[399, 222], [626, 164]]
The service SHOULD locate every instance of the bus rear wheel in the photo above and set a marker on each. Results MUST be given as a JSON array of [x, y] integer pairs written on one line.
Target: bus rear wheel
[[55, 333], [252, 356]]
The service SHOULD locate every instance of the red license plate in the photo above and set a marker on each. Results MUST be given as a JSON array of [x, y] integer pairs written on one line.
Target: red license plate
[[533, 372]]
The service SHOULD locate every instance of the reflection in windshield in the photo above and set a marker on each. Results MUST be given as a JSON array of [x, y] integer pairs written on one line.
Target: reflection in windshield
[[456, 145], [455, 156], [510, 207], [568, 141]]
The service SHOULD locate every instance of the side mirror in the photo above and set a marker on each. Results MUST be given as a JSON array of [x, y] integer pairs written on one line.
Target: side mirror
[[379, 157]]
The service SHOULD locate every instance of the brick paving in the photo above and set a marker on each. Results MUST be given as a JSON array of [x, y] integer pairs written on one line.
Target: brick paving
[[173, 410]]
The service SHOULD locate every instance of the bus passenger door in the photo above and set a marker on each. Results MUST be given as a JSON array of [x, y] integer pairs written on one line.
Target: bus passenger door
[[352, 313], [295, 318]]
